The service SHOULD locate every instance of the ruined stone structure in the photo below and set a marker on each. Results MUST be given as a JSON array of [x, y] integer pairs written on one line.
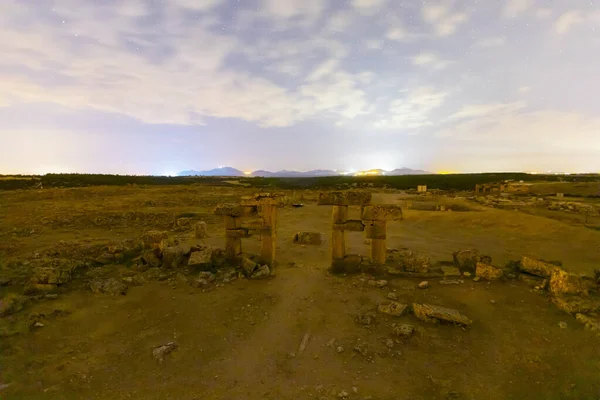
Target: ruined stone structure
[[422, 188], [373, 222], [502, 187], [254, 215]]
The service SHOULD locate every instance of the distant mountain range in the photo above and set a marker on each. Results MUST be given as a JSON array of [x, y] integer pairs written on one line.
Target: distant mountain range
[[229, 171]]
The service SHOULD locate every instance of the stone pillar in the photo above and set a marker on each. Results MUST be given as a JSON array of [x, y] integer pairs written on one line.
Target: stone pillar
[[338, 237], [268, 236], [233, 239], [378, 238]]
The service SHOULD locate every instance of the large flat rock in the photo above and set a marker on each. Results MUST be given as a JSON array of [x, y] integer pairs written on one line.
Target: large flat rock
[[431, 313], [536, 267]]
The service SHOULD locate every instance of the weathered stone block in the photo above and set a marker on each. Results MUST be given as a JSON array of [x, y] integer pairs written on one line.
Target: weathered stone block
[[172, 257], [562, 282], [431, 313], [312, 238], [488, 272], [382, 212], [451, 271], [200, 230], [354, 225], [415, 263], [229, 210], [153, 238], [345, 198], [466, 260], [150, 257], [536, 267], [350, 263], [392, 308], [237, 233], [254, 223], [202, 259], [591, 323]]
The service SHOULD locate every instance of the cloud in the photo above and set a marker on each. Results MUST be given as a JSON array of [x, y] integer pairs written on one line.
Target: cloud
[[491, 42], [440, 16], [515, 8], [368, 7], [374, 44], [197, 5], [484, 110], [398, 34], [430, 60], [306, 9], [414, 110], [543, 13], [524, 89], [567, 20]]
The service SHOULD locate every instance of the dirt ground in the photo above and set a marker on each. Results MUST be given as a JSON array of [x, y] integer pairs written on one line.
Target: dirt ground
[[240, 340]]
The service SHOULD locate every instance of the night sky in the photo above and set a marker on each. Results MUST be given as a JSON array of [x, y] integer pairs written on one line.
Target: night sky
[[156, 87]]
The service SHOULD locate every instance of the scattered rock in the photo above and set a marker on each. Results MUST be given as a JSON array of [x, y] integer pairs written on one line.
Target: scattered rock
[[467, 274], [262, 272], [477, 279], [423, 285], [562, 282], [492, 301], [590, 323], [51, 275], [303, 343], [184, 222], [403, 331], [536, 267], [207, 275], [563, 325], [51, 296], [110, 286], [106, 258], [451, 271], [576, 304], [200, 283], [488, 272], [343, 394], [249, 266], [200, 230], [365, 319], [11, 304], [160, 352], [392, 308], [380, 284], [389, 343], [340, 349], [392, 296], [151, 258], [311, 238], [362, 349], [431, 313], [38, 325]]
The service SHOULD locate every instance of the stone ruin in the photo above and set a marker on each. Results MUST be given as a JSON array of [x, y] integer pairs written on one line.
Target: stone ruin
[[373, 222], [255, 214]]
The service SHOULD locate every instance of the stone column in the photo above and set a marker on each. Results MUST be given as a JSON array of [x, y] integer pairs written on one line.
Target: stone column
[[338, 237]]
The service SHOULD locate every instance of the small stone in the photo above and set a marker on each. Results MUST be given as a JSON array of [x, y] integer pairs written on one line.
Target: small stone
[[476, 279], [562, 325], [380, 284], [365, 319], [51, 296], [340, 349], [38, 325], [493, 301], [354, 389], [330, 343], [389, 343], [423, 285], [208, 276], [392, 296], [343, 394], [160, 352], [392, 308], [451, 282], [403, 331], [467, 274], [261, 272]]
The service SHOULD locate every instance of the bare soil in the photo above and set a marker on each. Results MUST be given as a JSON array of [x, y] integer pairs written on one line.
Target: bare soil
[[240, 340]]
